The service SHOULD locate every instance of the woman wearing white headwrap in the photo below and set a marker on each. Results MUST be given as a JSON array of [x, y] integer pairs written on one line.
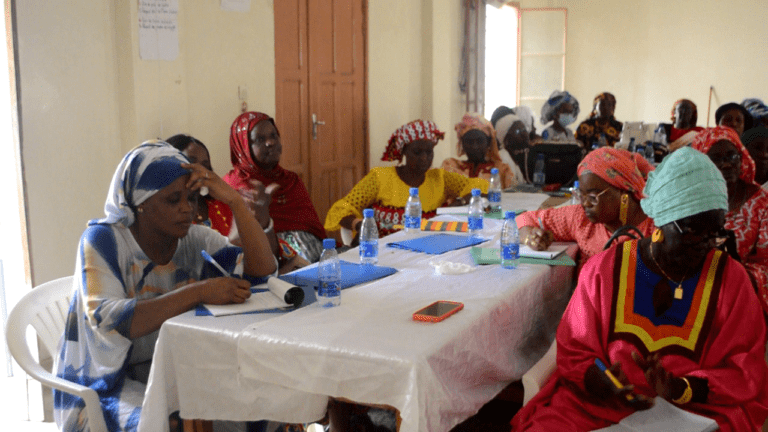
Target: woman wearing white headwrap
[[513, 137], [140, 265]]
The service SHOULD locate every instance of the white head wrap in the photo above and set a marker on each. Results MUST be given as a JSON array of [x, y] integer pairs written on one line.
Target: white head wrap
[[526, 116], [503, 125]]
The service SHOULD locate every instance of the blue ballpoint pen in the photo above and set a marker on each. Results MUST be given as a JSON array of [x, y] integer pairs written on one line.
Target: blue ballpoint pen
[[210, 259]]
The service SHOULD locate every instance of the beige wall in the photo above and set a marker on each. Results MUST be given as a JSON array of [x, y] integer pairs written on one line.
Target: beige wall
[[87, 97]]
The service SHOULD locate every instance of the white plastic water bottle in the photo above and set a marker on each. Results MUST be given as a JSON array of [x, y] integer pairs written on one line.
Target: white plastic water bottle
[[369, 239], [475, 219], [329, 273], [574, 193], [650, 154], [539, 176], [412, 214], [494, 190], [509, 241]]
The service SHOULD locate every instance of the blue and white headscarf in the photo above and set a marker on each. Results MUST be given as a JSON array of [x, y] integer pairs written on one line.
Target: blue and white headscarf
[[556, 99], [145, 170], [756, 107]]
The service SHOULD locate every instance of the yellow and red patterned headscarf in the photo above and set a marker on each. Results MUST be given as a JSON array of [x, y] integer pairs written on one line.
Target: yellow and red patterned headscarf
[[408, 133], [708, 137], [621, 169], [474, 121]]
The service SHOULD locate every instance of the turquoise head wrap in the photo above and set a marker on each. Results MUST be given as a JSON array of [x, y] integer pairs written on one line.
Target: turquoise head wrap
[[684, 184]]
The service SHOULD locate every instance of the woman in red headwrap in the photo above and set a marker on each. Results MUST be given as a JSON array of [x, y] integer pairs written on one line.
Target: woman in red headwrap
[[385, 189], [277, 196], [747, 213], [611, 185]]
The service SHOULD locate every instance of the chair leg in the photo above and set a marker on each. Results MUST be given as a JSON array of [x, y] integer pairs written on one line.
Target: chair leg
[[198, 426]]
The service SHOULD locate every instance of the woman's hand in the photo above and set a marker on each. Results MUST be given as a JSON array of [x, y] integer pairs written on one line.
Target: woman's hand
[[258, 199], [660, 380], [536, 238], [598, 384], [223, 290], [292, 264], [217, 188]]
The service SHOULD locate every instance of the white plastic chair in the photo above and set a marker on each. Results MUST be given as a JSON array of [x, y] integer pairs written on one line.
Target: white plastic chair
[[45, 309], [537, 376]]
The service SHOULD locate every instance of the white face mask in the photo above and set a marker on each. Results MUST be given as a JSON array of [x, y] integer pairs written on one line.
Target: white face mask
[[566, 119]]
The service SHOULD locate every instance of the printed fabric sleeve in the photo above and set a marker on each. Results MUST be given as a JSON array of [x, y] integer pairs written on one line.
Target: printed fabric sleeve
[[457, 185], [360, 197], [757, 262], [561, 221], [452, 165]]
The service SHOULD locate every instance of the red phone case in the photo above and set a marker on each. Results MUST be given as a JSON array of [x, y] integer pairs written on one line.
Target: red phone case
[[418, 316]]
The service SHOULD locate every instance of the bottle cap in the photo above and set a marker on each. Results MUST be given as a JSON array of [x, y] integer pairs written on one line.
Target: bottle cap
[[414, 191], [509, 215], [494, 171], [475, 192], [368, 213], [576, 184], [329, 243]]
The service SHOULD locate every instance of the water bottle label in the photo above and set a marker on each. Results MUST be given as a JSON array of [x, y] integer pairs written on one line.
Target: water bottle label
[[329, 288], [369, 249], [539, 178], [494, 197], [413, 222], [475, 223], [510, 252]]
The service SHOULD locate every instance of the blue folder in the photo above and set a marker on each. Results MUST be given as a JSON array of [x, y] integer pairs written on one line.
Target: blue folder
[[351, 274], [437, 244]]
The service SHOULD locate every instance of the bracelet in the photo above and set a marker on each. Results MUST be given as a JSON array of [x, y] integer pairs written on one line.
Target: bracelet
[[269, 227], [687, 394]]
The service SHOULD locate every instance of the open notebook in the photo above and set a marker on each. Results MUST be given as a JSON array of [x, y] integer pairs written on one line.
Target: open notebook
[[664, 416], [274, 295]]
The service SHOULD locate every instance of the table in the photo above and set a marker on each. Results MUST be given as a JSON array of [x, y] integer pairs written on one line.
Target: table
[[283, 367]]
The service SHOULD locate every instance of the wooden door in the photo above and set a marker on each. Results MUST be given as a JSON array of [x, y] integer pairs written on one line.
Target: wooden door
[[320, 73]]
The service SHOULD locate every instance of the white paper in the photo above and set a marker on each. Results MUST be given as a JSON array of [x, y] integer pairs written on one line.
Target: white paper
[[551, 253], [663, 417], [158, 29], [266, 300], [236, 5]]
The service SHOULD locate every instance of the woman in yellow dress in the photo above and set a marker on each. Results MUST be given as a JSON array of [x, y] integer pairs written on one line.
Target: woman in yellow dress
[[385, 189]]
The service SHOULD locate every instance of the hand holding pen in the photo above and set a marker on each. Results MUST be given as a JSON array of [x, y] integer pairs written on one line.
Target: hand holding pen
[[537, 238], [222, 290], [614, 379]]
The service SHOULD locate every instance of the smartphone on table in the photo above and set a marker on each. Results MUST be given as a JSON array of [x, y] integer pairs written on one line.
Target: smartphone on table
[[438, 311]]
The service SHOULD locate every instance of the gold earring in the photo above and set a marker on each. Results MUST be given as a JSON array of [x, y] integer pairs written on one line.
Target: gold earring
[[140, 209], [624, 209], [658, 236]]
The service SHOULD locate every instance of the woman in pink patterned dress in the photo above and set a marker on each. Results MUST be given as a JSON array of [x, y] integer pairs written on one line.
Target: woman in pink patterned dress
[[747, 213]]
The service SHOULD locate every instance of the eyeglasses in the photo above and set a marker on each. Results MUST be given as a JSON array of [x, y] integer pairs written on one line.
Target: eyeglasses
[[732, 158], [591, 198], [689, 236]]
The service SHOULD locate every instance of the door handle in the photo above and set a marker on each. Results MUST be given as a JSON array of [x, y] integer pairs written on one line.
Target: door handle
[[315, 124]]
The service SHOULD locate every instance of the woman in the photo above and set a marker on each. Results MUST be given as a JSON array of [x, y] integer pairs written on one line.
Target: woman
[[747, 214], [385, 189], [671, 315], [734, 116], [611, 185], [683, 128], [478, 140], [141, 265], [756, 142], [514, 138], [217, 215], [561, 109], [601, 122], [255, 149]]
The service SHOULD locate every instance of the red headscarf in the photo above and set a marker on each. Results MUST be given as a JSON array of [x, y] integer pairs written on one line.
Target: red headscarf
[[291, 207], [708, 137], [621, 169], [406, 134]]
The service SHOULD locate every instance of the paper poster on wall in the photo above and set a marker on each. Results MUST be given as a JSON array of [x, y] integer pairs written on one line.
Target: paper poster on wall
[[158, 29], [236, 5]]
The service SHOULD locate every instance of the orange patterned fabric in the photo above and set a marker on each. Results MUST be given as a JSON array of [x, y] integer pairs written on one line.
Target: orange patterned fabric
[[621, 169], [407, 133], [483, 171], [706, 139]]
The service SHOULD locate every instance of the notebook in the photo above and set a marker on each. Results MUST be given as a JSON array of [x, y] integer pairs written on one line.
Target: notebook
[[437, 244], [351, 274], [663, 416], [275, 295], [489, 255]]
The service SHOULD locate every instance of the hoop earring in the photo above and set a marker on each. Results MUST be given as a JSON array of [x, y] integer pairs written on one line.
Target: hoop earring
[[658, 236], [624, 209]]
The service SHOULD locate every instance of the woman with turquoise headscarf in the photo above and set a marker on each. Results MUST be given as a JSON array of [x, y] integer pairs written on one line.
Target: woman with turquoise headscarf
[[671, 316], [140, 265]]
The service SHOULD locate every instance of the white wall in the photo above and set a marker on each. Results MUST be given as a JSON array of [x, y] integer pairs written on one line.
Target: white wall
[[87, 97]]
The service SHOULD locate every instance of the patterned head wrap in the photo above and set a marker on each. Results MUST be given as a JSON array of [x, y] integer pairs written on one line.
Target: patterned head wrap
[[605, 96], [621, 169], [556, 99], [694, 115], [408, 133], [704, 141], [756, 107], [239, 144], [686, 183], [144, 171], [722, 109], [476, 121]]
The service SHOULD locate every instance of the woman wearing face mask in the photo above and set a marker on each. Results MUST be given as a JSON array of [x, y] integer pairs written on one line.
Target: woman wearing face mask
[[478, 140], [561, 109], [385, 189], [600, 122]]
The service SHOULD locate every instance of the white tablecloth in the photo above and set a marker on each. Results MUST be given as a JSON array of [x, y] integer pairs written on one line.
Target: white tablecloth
[[283, 367]]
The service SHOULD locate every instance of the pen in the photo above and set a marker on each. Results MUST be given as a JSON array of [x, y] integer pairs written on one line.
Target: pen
[[614, 380], [541, 224], [210, 259]]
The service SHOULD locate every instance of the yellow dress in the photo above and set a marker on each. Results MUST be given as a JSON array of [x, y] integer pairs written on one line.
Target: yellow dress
[[384, 191]]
